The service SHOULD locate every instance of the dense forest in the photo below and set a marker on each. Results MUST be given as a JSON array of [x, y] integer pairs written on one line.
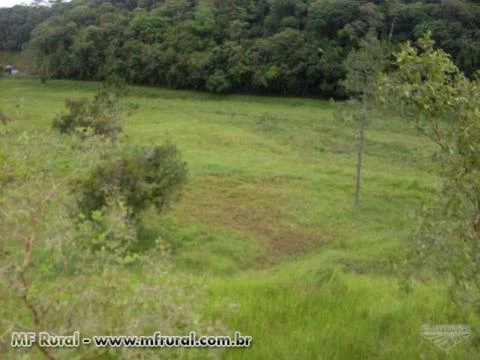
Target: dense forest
[[262, 46]]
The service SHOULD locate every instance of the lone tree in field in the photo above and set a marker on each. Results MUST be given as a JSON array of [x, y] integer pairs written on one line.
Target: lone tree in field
[[363, 68], [446, 107]]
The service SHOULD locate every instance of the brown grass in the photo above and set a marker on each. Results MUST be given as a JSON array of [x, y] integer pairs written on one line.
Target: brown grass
[[250, 206]]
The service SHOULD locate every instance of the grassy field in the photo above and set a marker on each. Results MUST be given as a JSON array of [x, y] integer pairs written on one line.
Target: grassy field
[[268, 220]]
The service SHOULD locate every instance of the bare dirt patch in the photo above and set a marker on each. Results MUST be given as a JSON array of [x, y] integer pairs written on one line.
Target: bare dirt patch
[[257, 207]]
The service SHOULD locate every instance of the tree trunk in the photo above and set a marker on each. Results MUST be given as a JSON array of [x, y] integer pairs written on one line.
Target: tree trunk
[[392, 26], [361, 140], [476, 222]]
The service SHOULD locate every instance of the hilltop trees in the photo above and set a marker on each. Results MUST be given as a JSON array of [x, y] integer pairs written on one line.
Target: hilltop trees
[[272, 46], [17, 23]]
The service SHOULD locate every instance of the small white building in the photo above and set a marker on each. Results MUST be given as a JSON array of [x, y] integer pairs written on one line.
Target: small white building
[[10, 70]]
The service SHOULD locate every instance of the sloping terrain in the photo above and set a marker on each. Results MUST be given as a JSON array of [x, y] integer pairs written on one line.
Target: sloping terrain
[[267, 218]]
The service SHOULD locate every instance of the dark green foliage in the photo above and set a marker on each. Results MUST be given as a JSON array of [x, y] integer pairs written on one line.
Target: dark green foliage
[[147, 177], [264, 46], [218, 82], [17, 23]]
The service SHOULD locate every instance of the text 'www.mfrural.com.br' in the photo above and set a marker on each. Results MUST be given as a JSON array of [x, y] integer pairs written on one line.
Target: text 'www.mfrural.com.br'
[[157, 340]]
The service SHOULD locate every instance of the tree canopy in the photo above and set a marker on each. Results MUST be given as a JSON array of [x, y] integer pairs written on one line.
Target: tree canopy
[[263, 46]]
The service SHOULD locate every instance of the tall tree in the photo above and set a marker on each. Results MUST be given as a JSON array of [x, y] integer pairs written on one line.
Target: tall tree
[[363, 68]]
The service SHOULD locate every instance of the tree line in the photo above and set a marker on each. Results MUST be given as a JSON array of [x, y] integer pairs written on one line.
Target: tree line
[[258, 46]]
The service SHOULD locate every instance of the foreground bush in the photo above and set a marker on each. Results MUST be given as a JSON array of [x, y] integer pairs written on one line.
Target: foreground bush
[[148, 177], [445, 105], [49, 283]]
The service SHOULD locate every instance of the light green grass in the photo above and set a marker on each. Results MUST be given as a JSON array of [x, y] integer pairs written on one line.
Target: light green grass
[[268, 217]]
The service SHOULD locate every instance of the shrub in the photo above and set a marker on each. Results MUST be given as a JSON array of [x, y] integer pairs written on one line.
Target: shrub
[[84, 114], [148, 177], [100, 115]]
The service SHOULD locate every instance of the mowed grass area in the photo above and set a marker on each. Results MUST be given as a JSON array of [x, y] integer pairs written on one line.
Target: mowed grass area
[[268, 218]]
